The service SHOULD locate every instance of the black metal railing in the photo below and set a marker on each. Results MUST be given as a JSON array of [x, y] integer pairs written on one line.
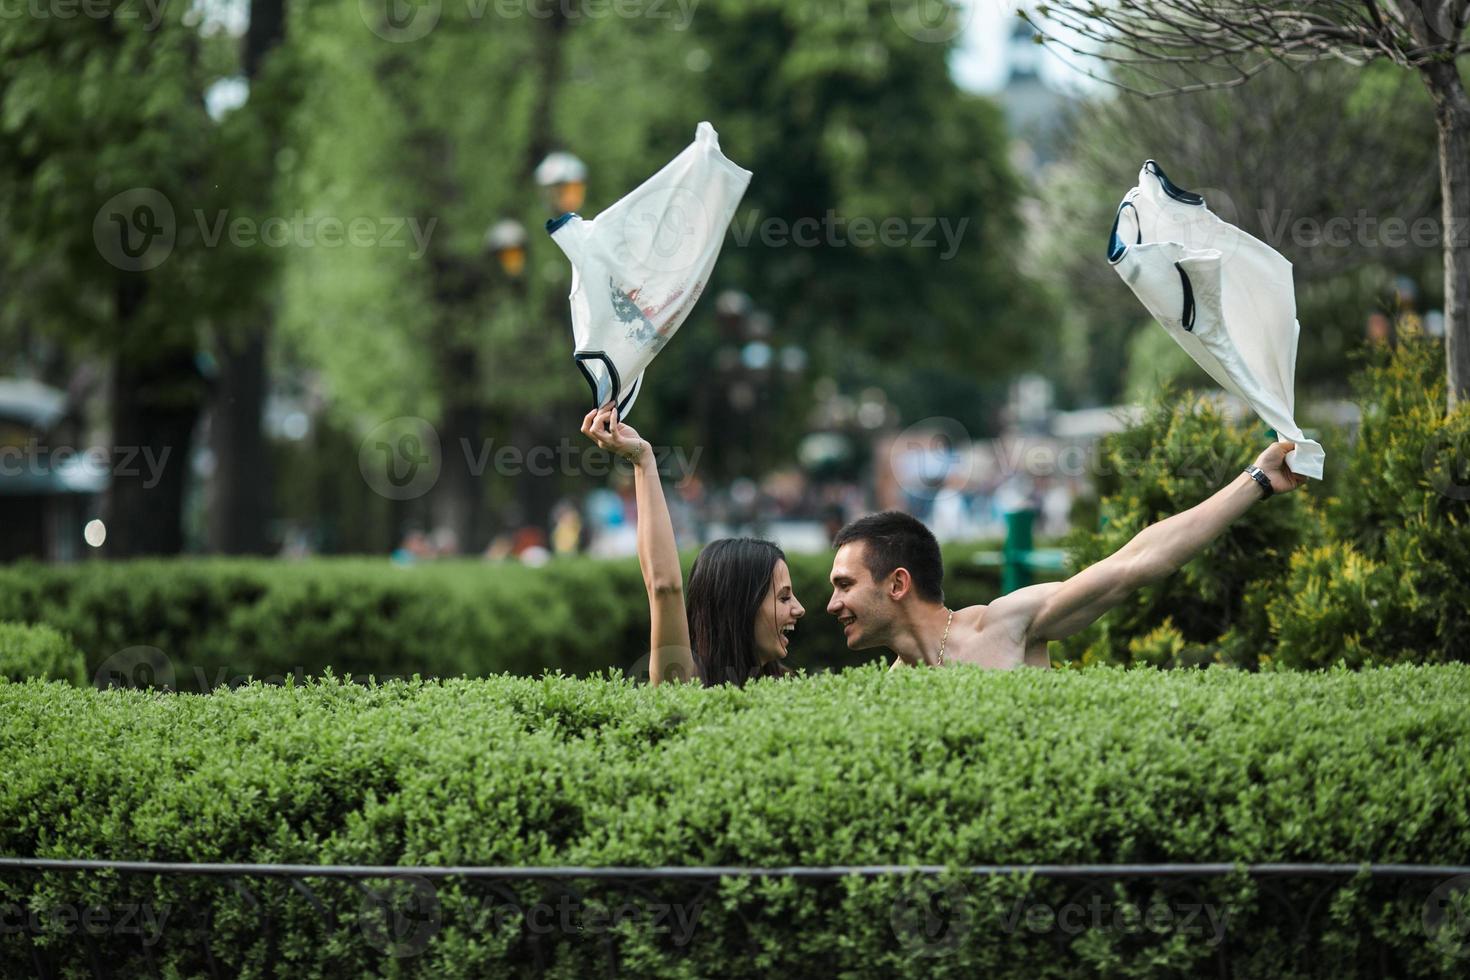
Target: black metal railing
[[397, 911]]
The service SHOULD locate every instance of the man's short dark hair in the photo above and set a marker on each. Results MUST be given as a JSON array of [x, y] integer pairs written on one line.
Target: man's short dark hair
[[897, 540]]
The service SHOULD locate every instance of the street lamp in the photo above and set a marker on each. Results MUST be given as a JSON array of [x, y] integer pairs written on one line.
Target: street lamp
[[506, 240], [563, 182]]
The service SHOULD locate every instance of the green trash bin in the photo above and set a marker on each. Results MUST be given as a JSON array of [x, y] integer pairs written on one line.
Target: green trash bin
[[1015, 570]]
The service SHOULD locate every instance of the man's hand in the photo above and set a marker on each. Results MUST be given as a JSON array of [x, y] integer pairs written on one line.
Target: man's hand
[[601, 425], [1273, 463]]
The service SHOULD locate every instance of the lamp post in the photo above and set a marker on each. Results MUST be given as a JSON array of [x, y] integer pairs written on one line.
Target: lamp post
[[506, 241], [562, 178]]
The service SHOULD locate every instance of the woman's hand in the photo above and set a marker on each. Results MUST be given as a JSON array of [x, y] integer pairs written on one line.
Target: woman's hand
[[601, 425], [1273, 463]]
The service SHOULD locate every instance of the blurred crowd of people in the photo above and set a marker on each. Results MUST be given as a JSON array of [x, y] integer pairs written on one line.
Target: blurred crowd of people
[[962, 493]]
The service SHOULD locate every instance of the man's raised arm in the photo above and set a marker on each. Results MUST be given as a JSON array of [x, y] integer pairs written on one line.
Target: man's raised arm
[[1056, 610]]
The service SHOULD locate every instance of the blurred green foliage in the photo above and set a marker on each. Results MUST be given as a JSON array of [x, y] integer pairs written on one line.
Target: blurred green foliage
[[957, 767], [1281, 158], [839, 113], [41, 652]]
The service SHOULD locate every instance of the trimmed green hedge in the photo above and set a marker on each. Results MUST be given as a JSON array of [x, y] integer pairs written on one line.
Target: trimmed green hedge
[[206, 622], [952, 767], [39, 651]]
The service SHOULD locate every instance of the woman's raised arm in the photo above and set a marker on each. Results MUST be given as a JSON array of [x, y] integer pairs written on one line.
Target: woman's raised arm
[[658, 556]]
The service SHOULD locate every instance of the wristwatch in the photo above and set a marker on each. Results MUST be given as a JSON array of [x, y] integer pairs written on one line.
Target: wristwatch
[[1259, 475]]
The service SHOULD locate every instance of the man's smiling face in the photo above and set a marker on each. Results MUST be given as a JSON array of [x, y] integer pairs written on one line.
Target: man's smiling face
[[859, 603]]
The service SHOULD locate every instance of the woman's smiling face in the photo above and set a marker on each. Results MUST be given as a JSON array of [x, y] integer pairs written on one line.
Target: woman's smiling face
[[776, 618]]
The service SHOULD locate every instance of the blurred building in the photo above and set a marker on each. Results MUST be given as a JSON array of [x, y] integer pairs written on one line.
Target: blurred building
[[1035, 108], [49, 486]]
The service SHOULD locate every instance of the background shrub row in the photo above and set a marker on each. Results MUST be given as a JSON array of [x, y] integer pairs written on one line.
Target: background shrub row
[[953, 767], [1369, 566], [216, 621]]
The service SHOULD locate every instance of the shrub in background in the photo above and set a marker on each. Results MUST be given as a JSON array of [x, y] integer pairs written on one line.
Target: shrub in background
[[1368, 566], [208, 622], [39, 651]]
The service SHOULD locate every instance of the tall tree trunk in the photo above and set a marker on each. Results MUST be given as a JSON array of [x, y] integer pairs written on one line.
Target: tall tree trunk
[[155, 405], [457, 499], [242, 481], [1452, 115], [534, 431], [242, 500]]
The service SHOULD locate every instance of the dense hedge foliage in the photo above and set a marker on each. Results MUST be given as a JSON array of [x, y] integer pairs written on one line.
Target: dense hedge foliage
[[1369, 566], [953, 767], [196, 624], [39, 651]]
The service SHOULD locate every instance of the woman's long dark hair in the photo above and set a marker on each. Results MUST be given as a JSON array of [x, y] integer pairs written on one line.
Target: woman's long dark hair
[[729, 580]]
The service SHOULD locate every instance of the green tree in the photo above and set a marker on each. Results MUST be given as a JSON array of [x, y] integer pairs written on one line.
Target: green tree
[[444, 130], [110, 185], [847, 114], [1217, 44], [1287, 158]]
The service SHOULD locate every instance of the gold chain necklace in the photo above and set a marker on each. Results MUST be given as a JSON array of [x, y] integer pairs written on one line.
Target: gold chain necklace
[[945, 638]]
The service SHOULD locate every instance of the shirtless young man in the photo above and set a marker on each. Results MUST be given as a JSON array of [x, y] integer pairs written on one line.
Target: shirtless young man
[[887, 582]]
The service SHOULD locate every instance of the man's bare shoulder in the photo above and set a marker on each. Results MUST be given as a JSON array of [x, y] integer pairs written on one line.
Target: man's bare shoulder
[[996, 635]]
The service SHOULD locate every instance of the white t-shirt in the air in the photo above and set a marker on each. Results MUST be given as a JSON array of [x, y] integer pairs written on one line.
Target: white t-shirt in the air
[[640, 265], [1224, 296]]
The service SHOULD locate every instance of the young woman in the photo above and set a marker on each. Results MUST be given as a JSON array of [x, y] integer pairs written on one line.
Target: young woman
[[741, 610]]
